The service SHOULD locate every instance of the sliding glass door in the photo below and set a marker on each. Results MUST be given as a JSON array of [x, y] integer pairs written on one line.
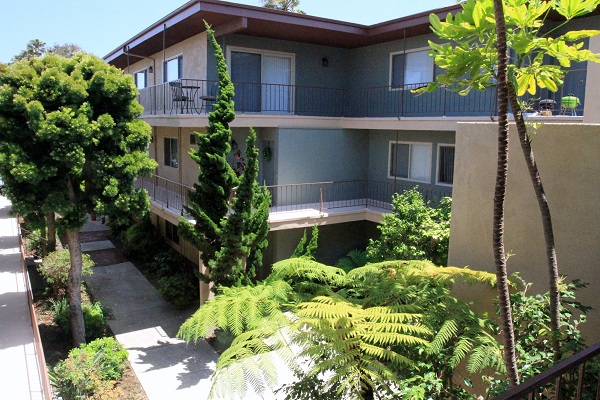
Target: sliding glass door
[[263, 81]]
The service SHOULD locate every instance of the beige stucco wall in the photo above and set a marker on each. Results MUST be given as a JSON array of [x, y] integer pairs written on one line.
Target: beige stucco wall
[[194, 60], [187, 172], [591, 109], [569, 164]]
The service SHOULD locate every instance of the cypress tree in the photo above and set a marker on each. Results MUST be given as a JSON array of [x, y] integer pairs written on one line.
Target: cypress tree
[[231, 245]]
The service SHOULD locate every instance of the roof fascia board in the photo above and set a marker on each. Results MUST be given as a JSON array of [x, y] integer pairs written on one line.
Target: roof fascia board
[[261, 13], [173, 18]]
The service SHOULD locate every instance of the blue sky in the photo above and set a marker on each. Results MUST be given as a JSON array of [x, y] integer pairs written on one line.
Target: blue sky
[[101, 26]]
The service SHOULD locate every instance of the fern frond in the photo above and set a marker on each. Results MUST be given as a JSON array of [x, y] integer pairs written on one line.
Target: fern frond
[[250, 364], [447, 331], [307, 269], [238, 309]]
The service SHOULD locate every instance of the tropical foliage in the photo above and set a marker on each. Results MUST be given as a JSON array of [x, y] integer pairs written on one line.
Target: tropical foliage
[[531, 314], [476, 56], [353, 335]]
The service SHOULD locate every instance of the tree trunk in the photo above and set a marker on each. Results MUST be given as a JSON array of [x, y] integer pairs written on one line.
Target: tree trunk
[[508, 336], [44, 241], [74, 288], [51, 232], [74, 282], [536, 181]]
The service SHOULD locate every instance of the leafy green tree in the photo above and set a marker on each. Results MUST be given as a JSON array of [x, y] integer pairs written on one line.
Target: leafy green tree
[[413, 231], [71, 144], [470, 61], [231, 244], [283, 5]]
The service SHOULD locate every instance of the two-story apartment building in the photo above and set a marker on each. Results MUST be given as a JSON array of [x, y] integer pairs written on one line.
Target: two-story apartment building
[[338, 127]]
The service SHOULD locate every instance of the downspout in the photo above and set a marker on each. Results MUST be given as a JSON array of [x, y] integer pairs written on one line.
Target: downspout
[[164, 37], [403, 73]]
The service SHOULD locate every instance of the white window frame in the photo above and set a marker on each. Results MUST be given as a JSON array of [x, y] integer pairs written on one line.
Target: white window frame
[[438, 164], [404, 84], [389, 166], [170, 164], [135, 79], [166, 61]]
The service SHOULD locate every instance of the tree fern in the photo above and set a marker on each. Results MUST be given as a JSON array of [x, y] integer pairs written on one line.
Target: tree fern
[[239, 309]]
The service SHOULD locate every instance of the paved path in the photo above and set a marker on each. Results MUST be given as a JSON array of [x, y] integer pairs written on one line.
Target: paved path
[[146, 325], [19, 370]]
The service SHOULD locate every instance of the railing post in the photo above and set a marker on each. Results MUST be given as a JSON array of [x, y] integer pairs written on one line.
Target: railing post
[[444, 112], [321, 199]]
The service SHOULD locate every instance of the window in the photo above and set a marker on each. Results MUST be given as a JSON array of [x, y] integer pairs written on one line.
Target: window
[[410, 68], [171, 156], [173, 69], [140, 79], [171, 232], [445, 172], [411, 161]]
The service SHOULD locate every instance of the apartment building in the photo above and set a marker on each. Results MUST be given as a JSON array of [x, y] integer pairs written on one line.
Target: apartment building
[[339, 130]]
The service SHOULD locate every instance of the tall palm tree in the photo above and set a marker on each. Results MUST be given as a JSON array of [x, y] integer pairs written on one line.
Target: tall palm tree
[[508, 335], [540, 194]]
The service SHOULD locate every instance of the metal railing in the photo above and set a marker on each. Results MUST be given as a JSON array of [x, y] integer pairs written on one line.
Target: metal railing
[[170, 193], [195, 96], [319, 196], [566, 380]]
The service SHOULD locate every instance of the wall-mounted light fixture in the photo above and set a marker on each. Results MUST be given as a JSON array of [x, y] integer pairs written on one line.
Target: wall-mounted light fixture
[[151, 69], [325, 62]]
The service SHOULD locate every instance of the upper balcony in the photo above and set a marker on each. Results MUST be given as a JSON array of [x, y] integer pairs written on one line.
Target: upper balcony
[[193, 96]]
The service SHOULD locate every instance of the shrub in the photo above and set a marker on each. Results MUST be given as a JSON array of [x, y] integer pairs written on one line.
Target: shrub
[[140, 241], [531, 319], [179, 289], [166, 263], [90, 371], [55, 270], [93, 317], [413, 231]]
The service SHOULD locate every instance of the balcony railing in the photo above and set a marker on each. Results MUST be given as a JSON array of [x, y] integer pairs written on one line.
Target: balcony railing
[[570, 379], [194, 96], [319, 196]]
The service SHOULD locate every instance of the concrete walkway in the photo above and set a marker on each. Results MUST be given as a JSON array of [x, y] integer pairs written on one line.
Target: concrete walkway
[[19, 369], [146, 325]]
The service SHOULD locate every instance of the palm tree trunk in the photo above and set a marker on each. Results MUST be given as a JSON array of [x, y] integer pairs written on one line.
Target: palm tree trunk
[[508, 337], [546, 223]]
